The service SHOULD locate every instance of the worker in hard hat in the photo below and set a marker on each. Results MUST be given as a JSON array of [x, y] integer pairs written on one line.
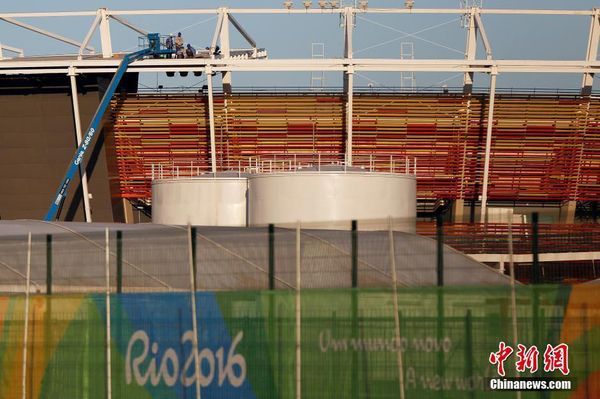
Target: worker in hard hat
[[190, 52], [179, 45]]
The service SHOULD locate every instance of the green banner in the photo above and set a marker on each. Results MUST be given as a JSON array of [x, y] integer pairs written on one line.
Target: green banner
[[348, 343]]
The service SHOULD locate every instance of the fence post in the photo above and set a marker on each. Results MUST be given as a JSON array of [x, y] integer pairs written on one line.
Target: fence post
[[440, 251], [469, 347], [108, 344], [49, 264], [119, 261], [271, 257], [354, 255], [535, 272], [586, 346], [272, 315], [396, 311], [194, 321], [513, 294], [354, 299], [298, 317], [440, 294], [440, 335], [194, 259], [26, 332]]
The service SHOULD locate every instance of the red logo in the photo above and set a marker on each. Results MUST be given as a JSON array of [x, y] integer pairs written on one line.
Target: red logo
[[555, 358], [499, 357], [528, 359]]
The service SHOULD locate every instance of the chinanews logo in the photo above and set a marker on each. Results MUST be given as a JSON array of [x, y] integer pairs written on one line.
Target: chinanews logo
[[555, 358]]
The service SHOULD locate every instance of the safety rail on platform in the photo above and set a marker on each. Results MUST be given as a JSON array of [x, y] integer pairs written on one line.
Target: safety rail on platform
[[274, 163]]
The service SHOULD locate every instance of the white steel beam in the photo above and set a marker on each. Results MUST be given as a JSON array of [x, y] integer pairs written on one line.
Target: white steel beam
[[297, 11], [213, 44], [225, 49], [105, 34], [35, 65], [44, 32], [242, 31], [211, 114], [486, 43], [47, 14], [488, 147], [592, 51], [82, 172], [341, 10], [129, 25], [87, 38], [470, 52], [12, 50]]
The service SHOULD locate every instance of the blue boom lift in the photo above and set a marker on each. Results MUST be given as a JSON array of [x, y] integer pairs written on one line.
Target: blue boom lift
[[153, 47]]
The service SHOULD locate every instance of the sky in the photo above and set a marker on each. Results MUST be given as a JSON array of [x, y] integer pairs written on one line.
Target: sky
[[291, 36]]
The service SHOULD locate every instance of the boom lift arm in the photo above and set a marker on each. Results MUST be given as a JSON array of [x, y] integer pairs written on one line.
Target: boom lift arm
[[154, 48]]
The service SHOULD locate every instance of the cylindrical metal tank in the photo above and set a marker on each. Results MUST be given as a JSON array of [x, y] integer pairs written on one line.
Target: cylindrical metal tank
[[202, 201], [330, 199]]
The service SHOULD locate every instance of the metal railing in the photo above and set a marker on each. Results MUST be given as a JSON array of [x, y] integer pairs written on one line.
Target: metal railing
[[276, 163]]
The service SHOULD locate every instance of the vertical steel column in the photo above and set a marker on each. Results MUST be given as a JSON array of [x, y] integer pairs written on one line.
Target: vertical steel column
[[194, 321], [82, 172], [48, 264], [536, 277], [105, 34], [488, 146], [298, 317], [470, 52], [396, 310], [271, 257], [119, 261], [349, 118], [211, 114], [349, 79], [26, 329], [108, 330], [592, 51], [225, 48]]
